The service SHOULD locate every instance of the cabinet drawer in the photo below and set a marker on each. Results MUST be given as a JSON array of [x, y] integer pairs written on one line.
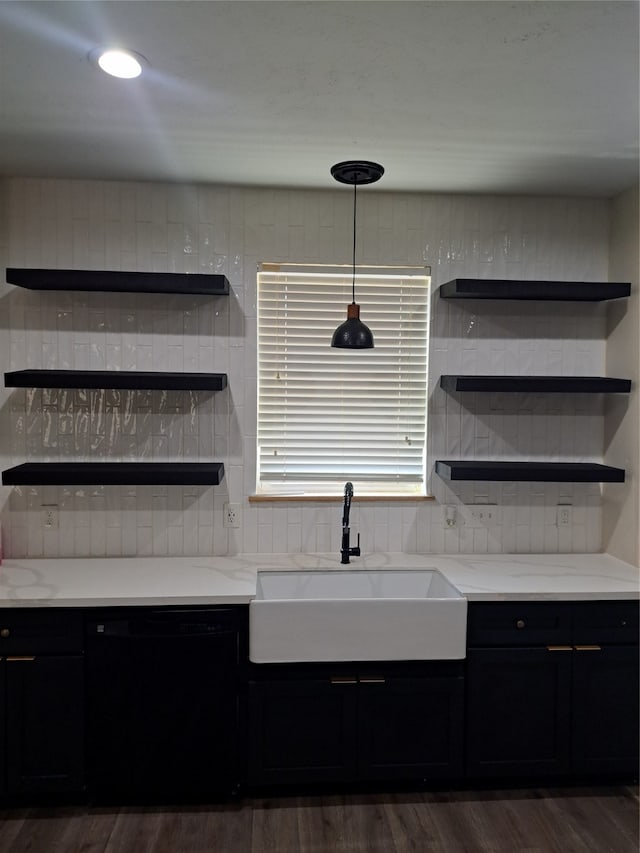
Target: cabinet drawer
[[518, 624], [606, 622], [40, 632]]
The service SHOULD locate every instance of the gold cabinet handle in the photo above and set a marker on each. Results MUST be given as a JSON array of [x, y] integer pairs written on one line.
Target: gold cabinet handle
[[520, 623], [343, 679], [559, 648], [15, 658], [372, 679], [593, 648], [4, 633]]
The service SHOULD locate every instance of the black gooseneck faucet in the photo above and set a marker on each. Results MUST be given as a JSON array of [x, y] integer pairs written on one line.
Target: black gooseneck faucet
[[347, 551]]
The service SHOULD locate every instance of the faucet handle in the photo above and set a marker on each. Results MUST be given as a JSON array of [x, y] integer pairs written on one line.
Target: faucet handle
[[355, 551]]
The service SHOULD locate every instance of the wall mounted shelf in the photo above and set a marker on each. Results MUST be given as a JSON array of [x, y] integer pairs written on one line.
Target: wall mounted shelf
[[549, 472], [114, 474], [546, 384], [566, 291], [129, 379], [119, 282], [552, 472]]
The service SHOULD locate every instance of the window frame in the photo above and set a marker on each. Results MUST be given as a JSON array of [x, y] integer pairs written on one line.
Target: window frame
[[400, 488]]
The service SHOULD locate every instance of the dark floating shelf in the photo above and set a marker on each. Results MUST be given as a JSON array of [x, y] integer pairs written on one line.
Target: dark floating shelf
[[114, 474], [548, 384], [119, 282], [548, 472], [129, 379], [566, 291]]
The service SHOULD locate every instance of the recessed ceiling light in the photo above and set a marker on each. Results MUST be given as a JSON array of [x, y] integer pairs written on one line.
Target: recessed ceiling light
[[119, 63]]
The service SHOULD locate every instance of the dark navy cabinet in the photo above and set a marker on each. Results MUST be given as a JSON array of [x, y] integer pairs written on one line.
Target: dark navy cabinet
[[606, 686], [411, 727], [302, 729], [605, 710], [41, 702], [518, 712], [355, 722], [552, 689], [172, 708]]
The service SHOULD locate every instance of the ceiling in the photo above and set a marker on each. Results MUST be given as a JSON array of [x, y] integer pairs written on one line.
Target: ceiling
[[485, 97]]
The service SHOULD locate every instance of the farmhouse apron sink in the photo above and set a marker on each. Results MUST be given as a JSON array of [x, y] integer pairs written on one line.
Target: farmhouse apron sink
[[356, 616]]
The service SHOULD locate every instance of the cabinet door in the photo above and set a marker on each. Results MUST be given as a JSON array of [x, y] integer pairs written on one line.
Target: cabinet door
[[45, 724], [302, 730], [3, 787], [410, 728], [518, 712], [605, 709]]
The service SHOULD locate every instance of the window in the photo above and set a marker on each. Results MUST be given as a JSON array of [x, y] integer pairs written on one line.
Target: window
[[328, 415]]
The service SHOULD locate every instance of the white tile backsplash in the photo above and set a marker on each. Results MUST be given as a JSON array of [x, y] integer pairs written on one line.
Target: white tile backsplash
[[158, 227]]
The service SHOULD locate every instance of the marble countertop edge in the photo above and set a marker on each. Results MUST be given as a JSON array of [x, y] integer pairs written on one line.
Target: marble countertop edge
[[161, 581]]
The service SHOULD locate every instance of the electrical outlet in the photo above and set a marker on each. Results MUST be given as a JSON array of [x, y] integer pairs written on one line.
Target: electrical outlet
[[483, 515], [49, 516], [450, 515], [564, 515], [231, 516]]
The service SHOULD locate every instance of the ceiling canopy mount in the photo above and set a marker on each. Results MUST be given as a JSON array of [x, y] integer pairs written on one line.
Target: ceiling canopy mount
[[357, 172]]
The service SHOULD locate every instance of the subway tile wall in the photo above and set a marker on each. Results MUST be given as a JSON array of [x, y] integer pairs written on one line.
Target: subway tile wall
[[164, 227]]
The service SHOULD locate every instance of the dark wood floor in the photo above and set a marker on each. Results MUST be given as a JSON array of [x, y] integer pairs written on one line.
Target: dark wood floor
[[570, 820]]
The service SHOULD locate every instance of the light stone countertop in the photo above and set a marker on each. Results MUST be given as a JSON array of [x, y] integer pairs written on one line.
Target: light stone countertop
[[111, 581]]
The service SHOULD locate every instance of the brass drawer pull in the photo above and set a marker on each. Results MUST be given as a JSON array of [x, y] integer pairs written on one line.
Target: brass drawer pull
[[372, 679], [593, 648], [559, 648], [520, 623], [20, 658], [343, 679], [4, 633]]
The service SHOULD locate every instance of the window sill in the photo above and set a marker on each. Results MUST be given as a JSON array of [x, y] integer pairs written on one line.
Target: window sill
[[339, 498]]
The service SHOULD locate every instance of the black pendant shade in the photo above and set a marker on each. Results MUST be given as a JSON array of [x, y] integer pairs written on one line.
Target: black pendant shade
[[353, 334]]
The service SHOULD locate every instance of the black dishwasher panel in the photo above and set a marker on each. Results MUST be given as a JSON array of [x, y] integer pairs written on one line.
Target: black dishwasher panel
[[164, 702]]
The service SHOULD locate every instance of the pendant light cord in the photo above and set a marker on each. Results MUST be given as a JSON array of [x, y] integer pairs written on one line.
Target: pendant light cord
[[353, 283]]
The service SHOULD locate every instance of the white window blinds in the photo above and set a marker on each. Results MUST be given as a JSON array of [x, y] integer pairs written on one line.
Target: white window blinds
[[328, 415]]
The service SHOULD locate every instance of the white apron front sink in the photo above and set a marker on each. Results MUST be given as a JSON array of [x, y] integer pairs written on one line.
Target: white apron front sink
[[359, 615]]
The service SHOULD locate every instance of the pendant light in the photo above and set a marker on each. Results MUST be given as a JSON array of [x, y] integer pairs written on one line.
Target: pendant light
[[353, 334]]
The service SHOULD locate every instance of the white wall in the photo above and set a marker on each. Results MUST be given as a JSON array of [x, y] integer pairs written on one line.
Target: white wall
[[621, 534], [103, 225], [5, 360]]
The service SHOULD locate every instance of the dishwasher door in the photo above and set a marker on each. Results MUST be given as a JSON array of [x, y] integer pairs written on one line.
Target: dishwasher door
[[163, 702]]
